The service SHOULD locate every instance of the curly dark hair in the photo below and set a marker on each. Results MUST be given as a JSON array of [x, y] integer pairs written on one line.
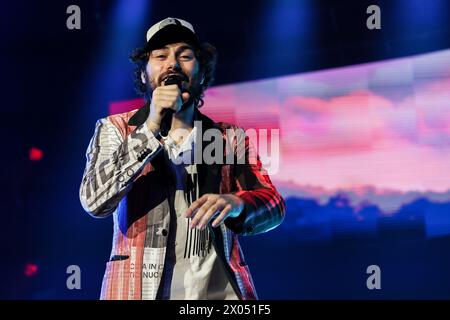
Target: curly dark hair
[[206, 55]]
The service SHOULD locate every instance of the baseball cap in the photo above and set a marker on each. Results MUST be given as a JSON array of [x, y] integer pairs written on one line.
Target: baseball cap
[[170, 30]]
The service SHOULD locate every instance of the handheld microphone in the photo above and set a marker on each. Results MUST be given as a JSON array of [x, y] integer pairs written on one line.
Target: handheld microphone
[[166, 121]]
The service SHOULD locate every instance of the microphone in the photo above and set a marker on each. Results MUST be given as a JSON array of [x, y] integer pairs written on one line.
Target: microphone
[[166, 121]]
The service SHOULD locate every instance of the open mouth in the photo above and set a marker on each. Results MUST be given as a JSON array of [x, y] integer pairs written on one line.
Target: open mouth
[[178, 75]]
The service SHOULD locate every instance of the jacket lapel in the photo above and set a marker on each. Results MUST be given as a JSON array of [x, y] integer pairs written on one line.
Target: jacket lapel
[[210, 178], [209, 175], [140, 116]]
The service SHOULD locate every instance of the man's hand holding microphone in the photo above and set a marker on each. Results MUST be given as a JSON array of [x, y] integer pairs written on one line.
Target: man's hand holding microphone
[[166, 100]]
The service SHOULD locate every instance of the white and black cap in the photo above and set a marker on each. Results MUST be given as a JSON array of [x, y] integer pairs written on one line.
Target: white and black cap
[[170, 30]]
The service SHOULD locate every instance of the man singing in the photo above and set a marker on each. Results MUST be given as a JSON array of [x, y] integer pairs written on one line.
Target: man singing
[[178, 208]]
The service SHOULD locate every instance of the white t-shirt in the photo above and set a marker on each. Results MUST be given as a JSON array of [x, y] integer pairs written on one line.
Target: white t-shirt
[[192, 267]]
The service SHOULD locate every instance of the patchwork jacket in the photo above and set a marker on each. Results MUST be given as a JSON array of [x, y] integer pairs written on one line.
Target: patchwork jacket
[[126, 176]]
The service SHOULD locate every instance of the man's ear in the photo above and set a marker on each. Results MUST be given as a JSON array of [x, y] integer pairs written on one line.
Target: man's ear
[[143, 77]]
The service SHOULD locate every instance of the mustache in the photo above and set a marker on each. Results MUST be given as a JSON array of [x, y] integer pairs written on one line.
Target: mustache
[[178, 74]]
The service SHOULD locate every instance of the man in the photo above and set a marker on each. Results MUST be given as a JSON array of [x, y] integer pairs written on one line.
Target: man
[[176, 216]]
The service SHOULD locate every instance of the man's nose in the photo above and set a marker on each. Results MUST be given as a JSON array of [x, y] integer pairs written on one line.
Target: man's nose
[[173, 62]]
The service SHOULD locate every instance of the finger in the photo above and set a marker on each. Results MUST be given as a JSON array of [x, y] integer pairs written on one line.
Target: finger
[[212, 211], [185, 96], [158, 100], [164, 101], [201, 212], [195, 205], [166, 93], [221, 217], [170, 87], [163, 108]]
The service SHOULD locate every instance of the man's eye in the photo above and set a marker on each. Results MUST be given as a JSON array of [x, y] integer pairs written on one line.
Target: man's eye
[[160, 56], [186, 57]]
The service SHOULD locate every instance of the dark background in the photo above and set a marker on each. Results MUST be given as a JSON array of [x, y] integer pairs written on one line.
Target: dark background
[[57, 82]]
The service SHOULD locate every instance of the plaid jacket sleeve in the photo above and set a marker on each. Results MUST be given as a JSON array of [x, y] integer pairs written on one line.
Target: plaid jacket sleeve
[[113, 162], [264, 207]]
